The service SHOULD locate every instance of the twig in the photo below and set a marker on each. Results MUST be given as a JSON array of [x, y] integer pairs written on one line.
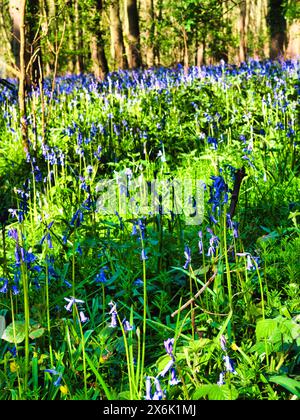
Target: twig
[[210, 280]]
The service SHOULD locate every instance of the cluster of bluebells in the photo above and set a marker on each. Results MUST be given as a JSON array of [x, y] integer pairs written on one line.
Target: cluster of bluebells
[[170, 367], [228, 363], [218, 196], [22, 257]]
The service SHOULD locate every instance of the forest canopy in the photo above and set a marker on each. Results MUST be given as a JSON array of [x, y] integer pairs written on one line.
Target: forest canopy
[[80, 36]]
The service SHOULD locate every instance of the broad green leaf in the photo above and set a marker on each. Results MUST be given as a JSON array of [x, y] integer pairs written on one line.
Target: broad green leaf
[[14, 332], [265, 328], [216, 392], [288, 383]]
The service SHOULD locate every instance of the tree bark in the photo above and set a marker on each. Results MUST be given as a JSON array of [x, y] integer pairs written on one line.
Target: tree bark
[[132, 34], [22, 80], [117, 43], [242, 31], [78, 39], [293, 35], [150, 30], [100, 66], [34, 55], [277, 26]]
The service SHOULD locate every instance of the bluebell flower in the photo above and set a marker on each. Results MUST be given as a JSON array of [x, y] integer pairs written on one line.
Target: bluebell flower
[[218, 192], [48, 239], [148, 395], [58, 381], [77, 218], [15, 289], [67, 283], [158, 394], [200, 242], [113, 312], [55, 373], [143, 255], [166, 369], [83, 318], [71, 302], [101, 277], [169, 346], [13, 351], [138, 282], [229, 365], [174, 380], [13, 233], [188, 258], [221, 379], [223, 343], [213, 141], [134, 231], [126, 325], [4, 288]]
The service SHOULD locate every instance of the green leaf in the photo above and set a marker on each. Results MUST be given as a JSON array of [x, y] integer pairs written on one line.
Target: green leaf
[[216, 392], [36, 333], [2, 325], [265, 328], [288, 383], [14, 332]]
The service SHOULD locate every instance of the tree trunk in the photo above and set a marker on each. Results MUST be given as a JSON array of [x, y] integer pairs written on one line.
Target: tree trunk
[[117, 44], [132, 34], [78, 39], [293, 35], [15, 15], [100, 66], [242, 31], [185, 52], [34, 55], [22, 80], [200, 54], [150, 30], [277, 26]]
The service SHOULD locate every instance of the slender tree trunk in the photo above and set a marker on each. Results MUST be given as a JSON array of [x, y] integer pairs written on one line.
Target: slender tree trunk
[[22, 81], [242, 30], [185, 51], [78, 39], [132, 34], [34, 55], [117, 44], [200, 54], [157, 55], [150, 30]]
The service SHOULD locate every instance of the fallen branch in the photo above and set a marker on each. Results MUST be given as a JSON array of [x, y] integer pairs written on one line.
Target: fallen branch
[[210, 280]]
